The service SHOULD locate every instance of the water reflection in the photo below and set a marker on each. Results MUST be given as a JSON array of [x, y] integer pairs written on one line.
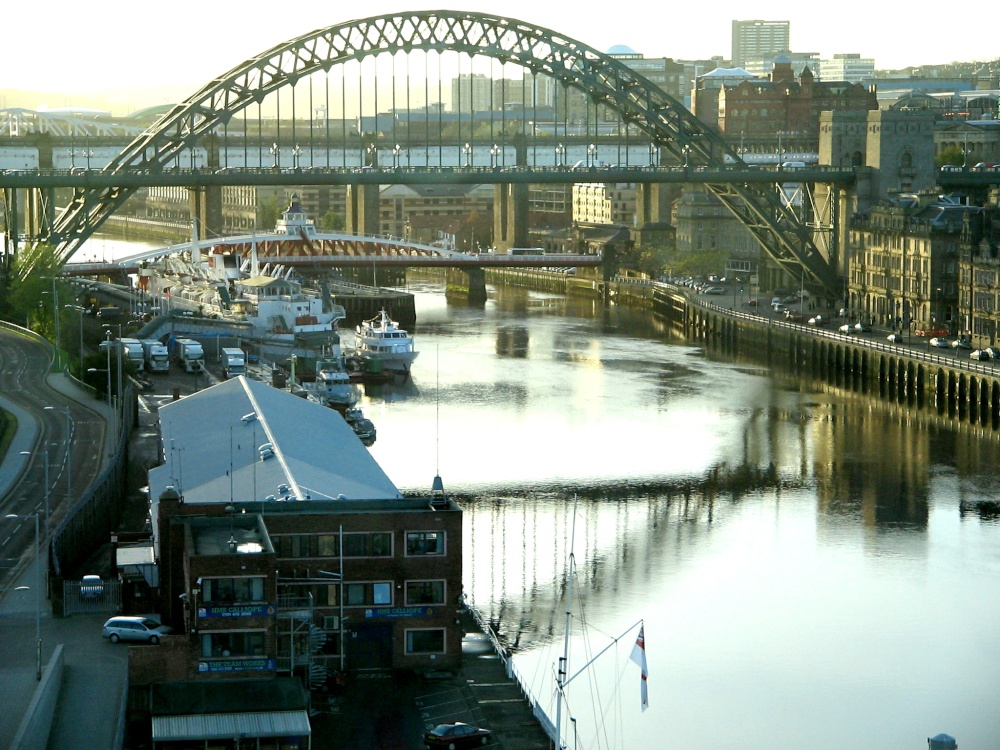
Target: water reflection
[[807, 563]]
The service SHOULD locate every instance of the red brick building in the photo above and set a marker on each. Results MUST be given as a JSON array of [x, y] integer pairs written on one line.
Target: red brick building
[[784, 105]]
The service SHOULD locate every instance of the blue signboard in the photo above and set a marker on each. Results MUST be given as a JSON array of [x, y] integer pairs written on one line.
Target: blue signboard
[[236, 610], [249, 664], [399, 612]]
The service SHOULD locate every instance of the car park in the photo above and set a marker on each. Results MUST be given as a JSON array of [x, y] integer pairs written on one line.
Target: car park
[[940, 342], [457, 735], [139, 629]]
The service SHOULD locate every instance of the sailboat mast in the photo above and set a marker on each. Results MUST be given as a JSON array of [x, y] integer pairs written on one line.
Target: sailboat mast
[[563, 669]]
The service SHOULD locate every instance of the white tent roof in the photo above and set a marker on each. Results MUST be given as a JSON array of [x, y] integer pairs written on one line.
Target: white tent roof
[[211, 443]]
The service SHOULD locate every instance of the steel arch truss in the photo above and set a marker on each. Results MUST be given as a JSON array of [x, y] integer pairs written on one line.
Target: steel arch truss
[[607, 82]]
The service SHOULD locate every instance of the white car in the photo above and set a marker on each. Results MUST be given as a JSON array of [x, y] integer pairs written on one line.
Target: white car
[[895, 338], [979, 354], [142, 629], [939, 342], [961, 344]]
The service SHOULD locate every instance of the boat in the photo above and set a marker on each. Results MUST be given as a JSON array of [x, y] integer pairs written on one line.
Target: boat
[[364, 428], [382, 338], [281, 314]]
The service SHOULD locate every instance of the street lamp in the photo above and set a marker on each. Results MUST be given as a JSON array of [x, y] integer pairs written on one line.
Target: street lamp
[[69, 464], [276, 153], [28, 454], [560, 155], [654, 155], [591, 154], [81, 311], [38, 590], [467, 150], [55, 320], [494, 155], [397, 151], [296, 153]]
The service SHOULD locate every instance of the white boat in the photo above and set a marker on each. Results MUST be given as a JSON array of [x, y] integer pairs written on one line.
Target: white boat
[[333, 386], [212, 284], [382, 337]]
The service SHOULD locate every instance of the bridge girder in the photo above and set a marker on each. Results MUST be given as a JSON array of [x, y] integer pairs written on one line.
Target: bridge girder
[[607, 81]]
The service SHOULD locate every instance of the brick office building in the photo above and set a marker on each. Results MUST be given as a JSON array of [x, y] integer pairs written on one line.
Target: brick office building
[[284, 551]]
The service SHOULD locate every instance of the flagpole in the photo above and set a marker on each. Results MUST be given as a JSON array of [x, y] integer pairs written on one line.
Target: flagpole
[[598, 655], [564, 659]]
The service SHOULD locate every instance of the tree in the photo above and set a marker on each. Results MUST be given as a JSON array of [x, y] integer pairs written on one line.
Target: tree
[[331, 222], [953, 155]]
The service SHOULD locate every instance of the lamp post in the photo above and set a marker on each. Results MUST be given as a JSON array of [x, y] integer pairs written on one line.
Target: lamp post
[[275, 151], [27, 454], [397, 152], [55, 320], [467, 150], [296, 153], [494, 155], [81, 311], [69, 464], [38, 591], [591, 154], [560, 155]]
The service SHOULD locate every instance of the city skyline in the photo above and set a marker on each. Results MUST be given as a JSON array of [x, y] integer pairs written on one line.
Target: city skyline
[[114, 62]]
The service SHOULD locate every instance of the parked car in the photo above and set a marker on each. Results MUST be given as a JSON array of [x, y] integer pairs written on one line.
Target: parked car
[[713, 290], [862, 328], [142, 629], [960, 344], [940, 342], [895, 338], [979, 354], [819, 320], [457, 735], [778, 307], [91, 587]]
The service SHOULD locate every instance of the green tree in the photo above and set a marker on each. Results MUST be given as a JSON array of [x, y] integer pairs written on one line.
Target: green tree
[[953, 155], [332, 222], [269, 211]]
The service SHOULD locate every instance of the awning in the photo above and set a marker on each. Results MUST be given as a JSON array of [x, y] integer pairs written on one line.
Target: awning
[[228, 726]]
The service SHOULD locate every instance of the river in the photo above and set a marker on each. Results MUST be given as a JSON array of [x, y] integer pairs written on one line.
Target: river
[[813, 570]]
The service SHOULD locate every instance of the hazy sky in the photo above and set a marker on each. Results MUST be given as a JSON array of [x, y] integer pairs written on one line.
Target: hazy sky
[[108, 46]]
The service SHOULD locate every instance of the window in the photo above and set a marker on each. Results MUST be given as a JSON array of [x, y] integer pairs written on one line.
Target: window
[[424, 592], [232, 590], [429, 641], [424, 542], [241, 643], [372, 544], [367, 594]]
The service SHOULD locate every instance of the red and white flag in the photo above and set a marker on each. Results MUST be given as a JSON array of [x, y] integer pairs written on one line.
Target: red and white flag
[[639, 657]]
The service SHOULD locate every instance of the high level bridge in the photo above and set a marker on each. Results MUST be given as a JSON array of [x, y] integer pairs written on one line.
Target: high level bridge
[[433, 97]]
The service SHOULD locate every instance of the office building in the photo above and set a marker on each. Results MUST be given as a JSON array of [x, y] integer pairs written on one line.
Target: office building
[[753, 40]]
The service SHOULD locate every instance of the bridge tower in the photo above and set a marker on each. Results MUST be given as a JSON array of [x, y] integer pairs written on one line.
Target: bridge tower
[[510, 206], [363, 203], [205, 202]]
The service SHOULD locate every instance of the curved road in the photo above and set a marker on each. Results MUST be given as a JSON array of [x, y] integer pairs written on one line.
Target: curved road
[[72, 434]]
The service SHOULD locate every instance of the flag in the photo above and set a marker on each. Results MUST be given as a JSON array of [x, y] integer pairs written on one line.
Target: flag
[[639, 657]]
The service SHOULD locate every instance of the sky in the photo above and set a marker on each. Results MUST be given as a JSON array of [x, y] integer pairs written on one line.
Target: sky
[[149, 54]]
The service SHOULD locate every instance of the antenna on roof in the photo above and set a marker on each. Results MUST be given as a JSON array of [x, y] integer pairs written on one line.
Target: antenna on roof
[[437, 486]]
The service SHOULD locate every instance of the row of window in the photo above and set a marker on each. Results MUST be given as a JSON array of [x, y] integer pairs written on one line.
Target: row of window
[[221, 645], [363, 544], [370, 593]]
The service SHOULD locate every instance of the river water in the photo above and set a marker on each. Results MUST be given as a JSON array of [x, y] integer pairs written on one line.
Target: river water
[[812, 570]]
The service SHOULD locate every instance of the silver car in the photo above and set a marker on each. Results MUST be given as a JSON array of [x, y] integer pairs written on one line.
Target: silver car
[[142, 629]]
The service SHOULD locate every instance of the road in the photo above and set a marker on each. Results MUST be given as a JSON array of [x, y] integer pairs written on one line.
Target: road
[[67, 449]]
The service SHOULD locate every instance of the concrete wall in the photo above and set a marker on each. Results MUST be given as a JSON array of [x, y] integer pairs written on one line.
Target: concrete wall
[[33, 734]]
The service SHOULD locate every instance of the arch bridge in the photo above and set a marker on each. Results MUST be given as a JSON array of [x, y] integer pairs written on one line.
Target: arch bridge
[[522, 97]]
